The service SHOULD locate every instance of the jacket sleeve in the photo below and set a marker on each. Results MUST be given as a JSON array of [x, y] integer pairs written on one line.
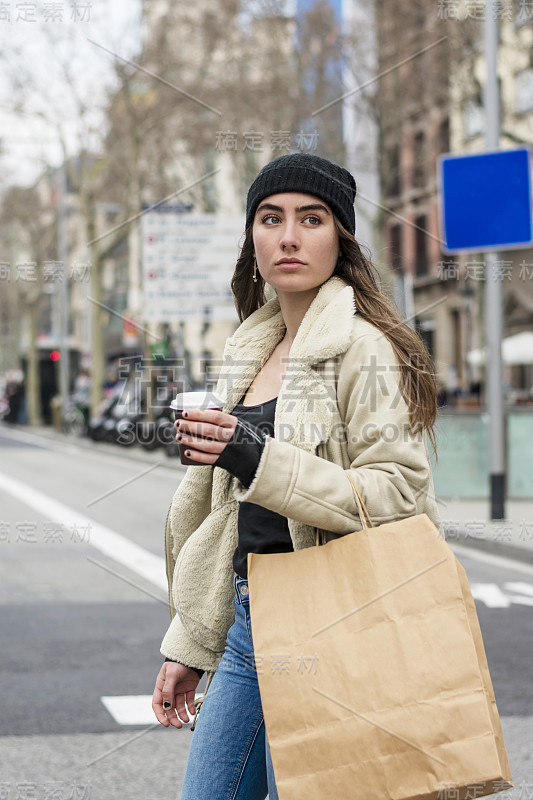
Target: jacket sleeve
[[178, 645], [190, 505], [388, 461]]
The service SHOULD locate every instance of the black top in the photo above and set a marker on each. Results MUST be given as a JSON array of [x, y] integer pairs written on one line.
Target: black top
[[260, 530]]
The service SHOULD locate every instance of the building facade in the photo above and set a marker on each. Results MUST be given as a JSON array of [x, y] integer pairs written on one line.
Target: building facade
[[432, 63]]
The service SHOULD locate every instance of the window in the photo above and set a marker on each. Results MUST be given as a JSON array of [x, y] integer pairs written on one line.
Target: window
[[523, 13], [418, 12], [456, 341], [393, 158], [473, 119], [419, 159], [426, 330], [395, 243], [421, 254], [524, 91], [444, 136]]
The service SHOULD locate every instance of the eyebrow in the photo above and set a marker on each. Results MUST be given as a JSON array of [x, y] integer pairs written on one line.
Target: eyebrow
[[312, 207]]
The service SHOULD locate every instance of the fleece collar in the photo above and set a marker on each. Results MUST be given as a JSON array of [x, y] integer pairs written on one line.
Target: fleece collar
[[306, 409], [325, 331]]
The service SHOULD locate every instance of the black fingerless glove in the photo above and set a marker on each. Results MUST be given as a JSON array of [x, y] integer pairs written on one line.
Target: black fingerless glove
[[243, 452]]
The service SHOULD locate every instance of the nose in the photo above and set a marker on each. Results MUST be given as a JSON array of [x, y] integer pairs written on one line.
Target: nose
[[290, 237]]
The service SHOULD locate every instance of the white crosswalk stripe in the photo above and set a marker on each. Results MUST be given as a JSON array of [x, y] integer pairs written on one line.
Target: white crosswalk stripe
[[132, 709], [493, 597]]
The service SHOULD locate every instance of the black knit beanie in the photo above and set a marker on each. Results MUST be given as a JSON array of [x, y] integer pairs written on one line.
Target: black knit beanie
[[302, 172]]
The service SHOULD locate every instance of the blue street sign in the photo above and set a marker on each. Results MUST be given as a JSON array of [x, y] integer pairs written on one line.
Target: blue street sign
[[486, 201]]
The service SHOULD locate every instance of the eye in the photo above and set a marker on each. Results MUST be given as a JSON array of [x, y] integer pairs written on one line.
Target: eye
[[314, 220], [270, 217]]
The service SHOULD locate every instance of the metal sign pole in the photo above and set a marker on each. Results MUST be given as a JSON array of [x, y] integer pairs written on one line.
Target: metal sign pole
[[493, 282], [63, 288]]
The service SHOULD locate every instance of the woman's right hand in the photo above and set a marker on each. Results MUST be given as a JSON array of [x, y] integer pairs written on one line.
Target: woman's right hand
[[176, 685]]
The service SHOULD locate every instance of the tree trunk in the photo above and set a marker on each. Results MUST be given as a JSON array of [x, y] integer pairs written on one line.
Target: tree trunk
[[33, 382], [97, 317]]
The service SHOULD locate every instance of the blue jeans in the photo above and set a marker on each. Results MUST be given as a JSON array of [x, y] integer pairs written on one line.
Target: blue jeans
[[229, 757]]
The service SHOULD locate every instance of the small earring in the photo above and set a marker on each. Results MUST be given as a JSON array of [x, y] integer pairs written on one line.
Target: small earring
[[255, 270]]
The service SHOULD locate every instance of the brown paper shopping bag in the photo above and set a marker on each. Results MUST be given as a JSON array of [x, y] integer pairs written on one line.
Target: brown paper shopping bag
[[372, 671]]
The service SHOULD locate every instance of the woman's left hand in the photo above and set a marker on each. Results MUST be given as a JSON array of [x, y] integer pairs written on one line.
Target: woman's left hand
[[217, 427]]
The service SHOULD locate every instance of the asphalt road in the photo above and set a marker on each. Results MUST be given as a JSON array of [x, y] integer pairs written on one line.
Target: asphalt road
[[83, 614]]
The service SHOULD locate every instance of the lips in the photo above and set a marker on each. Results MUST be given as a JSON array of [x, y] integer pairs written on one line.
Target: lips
[[289, 261], [290, 266]]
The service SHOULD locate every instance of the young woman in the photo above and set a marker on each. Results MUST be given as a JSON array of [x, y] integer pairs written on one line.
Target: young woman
[[323, 378]]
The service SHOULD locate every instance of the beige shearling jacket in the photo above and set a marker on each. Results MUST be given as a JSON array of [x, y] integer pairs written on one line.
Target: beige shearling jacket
[[339, 409]]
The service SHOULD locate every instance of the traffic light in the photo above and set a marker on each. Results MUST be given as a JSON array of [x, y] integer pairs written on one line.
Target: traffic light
[[55, 355]]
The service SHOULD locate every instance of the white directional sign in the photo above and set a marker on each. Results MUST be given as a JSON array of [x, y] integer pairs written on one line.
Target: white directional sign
[[188, 262]]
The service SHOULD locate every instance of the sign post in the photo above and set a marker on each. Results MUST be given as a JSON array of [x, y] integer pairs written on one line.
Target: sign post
[[494, 287], [486, 206]]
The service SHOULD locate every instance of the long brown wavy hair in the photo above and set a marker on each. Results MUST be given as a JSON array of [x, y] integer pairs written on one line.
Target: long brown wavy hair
[[417, 378]]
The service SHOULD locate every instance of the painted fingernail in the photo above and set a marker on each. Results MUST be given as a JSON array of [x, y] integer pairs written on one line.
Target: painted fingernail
[[185, 414], [179, 437], [166, 704], [188, 453]]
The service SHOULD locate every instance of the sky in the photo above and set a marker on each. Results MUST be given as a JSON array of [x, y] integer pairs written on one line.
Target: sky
[[306, 5], [35, 38]]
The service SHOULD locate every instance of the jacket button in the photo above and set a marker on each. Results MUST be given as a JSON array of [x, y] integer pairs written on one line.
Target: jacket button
[[244, 590]]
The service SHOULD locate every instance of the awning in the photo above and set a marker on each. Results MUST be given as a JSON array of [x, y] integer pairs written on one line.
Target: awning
[[517, 349]]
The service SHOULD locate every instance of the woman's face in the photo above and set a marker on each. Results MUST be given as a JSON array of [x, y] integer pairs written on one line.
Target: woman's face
[[296, 243]]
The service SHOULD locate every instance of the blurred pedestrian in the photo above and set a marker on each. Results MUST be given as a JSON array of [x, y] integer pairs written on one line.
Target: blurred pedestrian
[[14, 397], [82, 392], [442, 396], [322, 379], [111, 379], [476, 388]]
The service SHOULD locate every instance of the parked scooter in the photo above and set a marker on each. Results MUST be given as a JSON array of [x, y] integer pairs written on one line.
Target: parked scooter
[[129, 418], [103, 426], [74, 418], [159, 432]]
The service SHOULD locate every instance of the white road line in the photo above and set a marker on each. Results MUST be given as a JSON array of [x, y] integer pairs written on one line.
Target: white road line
[[107, 541], [130, 709], [490, 594], [520, 599], [519, 586], [493, 597], [504, 562], [133, 709]]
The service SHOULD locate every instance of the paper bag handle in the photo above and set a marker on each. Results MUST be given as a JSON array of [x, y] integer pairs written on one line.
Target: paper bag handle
[[364, 516], [363, 511]]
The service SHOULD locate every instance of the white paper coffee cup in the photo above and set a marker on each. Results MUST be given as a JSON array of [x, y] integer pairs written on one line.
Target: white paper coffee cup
[[187, 401], [204, 399]]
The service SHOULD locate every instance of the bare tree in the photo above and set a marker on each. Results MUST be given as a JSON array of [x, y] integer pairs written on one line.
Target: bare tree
[[156, 127], [29, 237]]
